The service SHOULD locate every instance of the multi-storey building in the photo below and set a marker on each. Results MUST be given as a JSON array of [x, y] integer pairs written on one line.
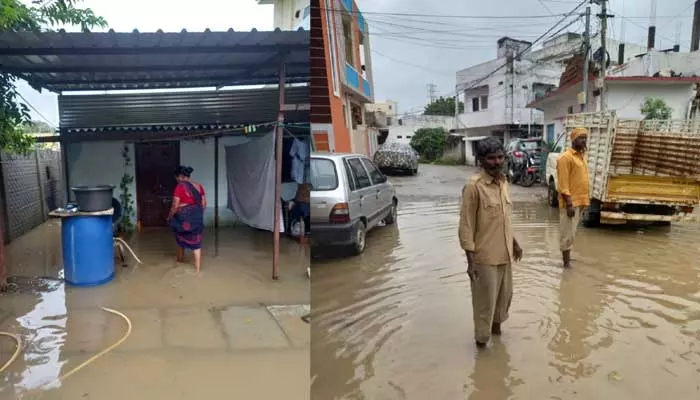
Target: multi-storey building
[[341, 70], [291, 14], [496, 93], [341, 80]]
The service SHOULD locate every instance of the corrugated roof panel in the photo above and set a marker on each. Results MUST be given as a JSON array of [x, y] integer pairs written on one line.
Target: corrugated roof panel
[[62, 61], [203, 109]]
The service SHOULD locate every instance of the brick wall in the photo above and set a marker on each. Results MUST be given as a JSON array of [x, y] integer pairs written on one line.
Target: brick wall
[[26, 203]]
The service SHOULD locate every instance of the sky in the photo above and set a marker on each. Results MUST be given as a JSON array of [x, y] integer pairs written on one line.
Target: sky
[[411, 51], [168, 15]]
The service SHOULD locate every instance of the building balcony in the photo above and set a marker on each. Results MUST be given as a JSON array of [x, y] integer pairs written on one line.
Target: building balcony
[[356, 82]]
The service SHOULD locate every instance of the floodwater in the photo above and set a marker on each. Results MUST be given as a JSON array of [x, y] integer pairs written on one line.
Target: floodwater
[[396, 322], [229, 332]]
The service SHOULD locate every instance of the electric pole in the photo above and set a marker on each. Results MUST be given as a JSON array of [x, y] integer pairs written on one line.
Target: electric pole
[[603, 44], [432, 89], [586, 57]]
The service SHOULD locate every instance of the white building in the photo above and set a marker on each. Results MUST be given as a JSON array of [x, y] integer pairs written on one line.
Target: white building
[[291, 14], [389, 108], [497, 105], [626, 87], [402, 130]]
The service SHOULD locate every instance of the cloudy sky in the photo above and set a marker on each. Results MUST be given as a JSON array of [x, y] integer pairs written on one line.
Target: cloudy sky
[[168, 15], [412, 49]]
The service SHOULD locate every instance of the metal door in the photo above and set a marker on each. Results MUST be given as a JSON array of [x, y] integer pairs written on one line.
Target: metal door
[[155, 180]]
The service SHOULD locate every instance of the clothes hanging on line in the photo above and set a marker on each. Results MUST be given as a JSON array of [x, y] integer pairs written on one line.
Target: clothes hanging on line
[[299, 153]]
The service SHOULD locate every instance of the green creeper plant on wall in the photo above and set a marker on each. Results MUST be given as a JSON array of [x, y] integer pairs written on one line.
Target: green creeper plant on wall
[[125, 196]]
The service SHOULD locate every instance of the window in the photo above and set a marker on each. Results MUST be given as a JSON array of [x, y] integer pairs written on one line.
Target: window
[[374, 173], [388, 121], [570, 110], [408, 136], [345, 115], [356, 115], [363, 55], [332, 50], [361, 176], [351, 179], [348, 36], [297, 14], [399, 137], [389, 106], [323, 175], [307, 11], [484, 102], [475, 104]]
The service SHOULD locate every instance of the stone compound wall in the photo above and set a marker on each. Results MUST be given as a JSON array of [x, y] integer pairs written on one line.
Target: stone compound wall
[[32, 185]]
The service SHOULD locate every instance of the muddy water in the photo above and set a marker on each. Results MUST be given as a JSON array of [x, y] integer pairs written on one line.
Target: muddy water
[[194, 336], [395, 323]]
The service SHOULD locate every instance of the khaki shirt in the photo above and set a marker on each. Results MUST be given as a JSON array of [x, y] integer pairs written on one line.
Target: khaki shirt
[[572, 179], [485, 221]]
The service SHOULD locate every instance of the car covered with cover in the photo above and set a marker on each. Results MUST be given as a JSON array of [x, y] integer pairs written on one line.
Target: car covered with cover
[[397, 157]]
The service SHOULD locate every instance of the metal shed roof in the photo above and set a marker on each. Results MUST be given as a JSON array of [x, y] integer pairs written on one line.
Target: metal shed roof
[[179, 111], [61, 61]]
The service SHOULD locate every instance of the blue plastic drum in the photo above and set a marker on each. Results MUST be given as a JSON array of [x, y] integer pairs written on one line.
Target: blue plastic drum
[[88, 250]]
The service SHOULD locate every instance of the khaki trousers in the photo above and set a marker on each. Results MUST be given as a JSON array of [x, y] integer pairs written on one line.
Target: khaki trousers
[[568, 227], [492, 293]]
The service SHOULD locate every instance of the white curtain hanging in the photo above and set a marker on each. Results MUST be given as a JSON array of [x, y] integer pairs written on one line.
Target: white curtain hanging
[[250, 172]]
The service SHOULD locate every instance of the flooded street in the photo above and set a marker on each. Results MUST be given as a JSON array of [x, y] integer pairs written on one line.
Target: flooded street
[[230, 332], [396, 323]]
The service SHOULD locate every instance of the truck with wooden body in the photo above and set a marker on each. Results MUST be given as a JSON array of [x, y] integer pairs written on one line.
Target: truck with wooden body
[[639, 170]]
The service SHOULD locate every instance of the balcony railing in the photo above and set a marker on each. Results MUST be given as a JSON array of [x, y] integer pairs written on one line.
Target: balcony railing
[[357, 82]]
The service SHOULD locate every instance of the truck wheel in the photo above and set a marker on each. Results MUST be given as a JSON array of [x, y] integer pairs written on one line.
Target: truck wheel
[[359, 238], [552, 195], [590, 216]]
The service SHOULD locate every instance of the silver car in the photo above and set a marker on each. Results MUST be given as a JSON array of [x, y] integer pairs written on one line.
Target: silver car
[[349, 197]]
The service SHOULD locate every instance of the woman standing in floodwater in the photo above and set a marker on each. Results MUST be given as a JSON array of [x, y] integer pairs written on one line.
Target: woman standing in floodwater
[[186, 216]]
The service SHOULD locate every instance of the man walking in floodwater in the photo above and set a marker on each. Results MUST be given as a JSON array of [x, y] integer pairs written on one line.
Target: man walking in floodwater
[[486, 235], [572, 183]]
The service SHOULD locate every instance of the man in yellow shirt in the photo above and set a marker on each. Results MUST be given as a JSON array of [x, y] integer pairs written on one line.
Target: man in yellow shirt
[[486, 235], [572, 183]]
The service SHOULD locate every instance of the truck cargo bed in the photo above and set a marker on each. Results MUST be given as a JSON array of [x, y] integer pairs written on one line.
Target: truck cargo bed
[[641, 161]]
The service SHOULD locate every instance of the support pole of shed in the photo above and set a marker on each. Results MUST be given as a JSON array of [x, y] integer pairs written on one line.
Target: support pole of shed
[[279, 134], [216, 182]]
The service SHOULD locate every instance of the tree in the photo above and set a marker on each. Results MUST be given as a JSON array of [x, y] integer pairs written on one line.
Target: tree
[[443, 106], [37, 127], [656, 108], [40, 16], [429, 143]]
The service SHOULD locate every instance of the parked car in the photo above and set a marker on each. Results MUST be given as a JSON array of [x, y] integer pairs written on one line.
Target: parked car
[[349, 197], [524, 157], [397, 157]]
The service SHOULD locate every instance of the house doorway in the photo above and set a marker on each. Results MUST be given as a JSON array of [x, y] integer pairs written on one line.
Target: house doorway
[[155, 181]]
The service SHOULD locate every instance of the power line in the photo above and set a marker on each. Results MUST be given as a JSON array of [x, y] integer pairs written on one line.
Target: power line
[[485, 17], [520, 53], [448, 16], [410, 64], [35, 109], [545, 7]]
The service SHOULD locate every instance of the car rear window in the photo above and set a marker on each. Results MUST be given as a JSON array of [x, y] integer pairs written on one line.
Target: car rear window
[[531, 145], [323, 175]]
